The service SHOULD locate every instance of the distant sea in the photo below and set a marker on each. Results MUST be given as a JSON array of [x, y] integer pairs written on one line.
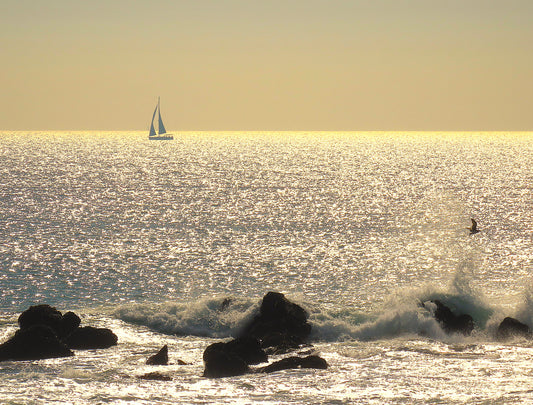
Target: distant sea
[[147, 238]]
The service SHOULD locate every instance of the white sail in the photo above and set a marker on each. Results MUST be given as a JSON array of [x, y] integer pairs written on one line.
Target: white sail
[[162, 129], [152, 129]]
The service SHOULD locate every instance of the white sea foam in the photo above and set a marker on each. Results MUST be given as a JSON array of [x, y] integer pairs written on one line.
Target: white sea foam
[[208, 317]]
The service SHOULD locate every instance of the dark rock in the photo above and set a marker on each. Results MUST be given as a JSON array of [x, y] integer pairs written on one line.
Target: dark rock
[[44, 314], [452, 323], [246, 349], [41, 315], [511, 328], [182, 363], [160, 358], [280, 343], [225, 304], [279, 322], [295, 362], [155, 376], [34, 343], [69, 323], [220, 362], [88, 337]]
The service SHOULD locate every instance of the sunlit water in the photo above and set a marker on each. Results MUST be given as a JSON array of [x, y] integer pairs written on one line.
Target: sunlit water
[[148, 237]]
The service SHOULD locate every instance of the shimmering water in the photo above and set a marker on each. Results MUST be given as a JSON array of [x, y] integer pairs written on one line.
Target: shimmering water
[[148, 238]]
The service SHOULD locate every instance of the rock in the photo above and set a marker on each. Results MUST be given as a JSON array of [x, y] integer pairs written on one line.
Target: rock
[[70, 322], [279, 343], [247, 348], [510, 328], [450, 322], [160, 358], [182, 363], [34, 342], [279, 322], [295, 362], [44, 314], [155, 376], [88, 337], [223, 363], [225, 359]]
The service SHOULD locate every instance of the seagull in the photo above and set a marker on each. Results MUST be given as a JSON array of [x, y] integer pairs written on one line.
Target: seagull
[[473, 229]]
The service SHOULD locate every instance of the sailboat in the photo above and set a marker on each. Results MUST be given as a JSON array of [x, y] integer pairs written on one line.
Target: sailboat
[[161, 134]]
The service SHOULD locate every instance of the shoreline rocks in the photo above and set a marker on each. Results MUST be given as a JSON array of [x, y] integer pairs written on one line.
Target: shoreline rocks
[[160, 358], [450, 322], [511, 328], [47, 333], [281, 326]]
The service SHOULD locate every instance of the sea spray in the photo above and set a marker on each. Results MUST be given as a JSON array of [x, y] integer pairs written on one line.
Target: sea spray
[[210, 317]]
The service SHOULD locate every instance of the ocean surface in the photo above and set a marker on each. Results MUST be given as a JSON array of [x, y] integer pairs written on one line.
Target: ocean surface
[[149, 237]]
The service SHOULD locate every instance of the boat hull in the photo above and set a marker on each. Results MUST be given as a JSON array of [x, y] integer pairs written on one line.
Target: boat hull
[[161, 137]]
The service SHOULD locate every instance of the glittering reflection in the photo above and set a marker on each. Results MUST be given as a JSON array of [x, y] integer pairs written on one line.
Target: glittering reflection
[[112, 217], [358, 227]]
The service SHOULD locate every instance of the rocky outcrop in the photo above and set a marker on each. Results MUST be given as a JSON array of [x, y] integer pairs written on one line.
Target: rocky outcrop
[[88, 337], [225, 359], [34, 342], [295, 362], [222, 363], [450, 322], [160, 358], [280, 324], [44, 314], [511, 328], [47, 333], [279, 327]]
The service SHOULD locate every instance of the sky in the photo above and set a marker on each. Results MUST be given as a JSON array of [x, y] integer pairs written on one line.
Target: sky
[[339, 65]]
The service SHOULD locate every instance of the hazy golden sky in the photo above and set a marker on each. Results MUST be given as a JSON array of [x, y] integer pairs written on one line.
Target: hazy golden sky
[[267, 65]]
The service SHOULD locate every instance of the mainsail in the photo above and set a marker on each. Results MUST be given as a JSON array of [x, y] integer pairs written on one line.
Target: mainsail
[[162, 129], [152, 129]]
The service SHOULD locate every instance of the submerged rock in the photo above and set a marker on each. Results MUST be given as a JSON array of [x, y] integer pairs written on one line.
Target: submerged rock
[[279, 324], [34, 342], [295, 362], [160, 358], [88, 337], [511, 328], [155, 376]]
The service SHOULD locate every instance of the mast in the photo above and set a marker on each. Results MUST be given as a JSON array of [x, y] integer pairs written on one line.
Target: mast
[[162, 129]]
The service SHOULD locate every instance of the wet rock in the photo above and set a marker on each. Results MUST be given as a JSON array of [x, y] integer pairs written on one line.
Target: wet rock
[[220, 362], [512, 328], [279, 323], [224, 359], [160, 358], [450, 322], [44, 314], [88, 337], [295, 362], [34, 342], [155, 376]]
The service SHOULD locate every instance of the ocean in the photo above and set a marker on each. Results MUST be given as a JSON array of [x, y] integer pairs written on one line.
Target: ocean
[[148, 238]]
